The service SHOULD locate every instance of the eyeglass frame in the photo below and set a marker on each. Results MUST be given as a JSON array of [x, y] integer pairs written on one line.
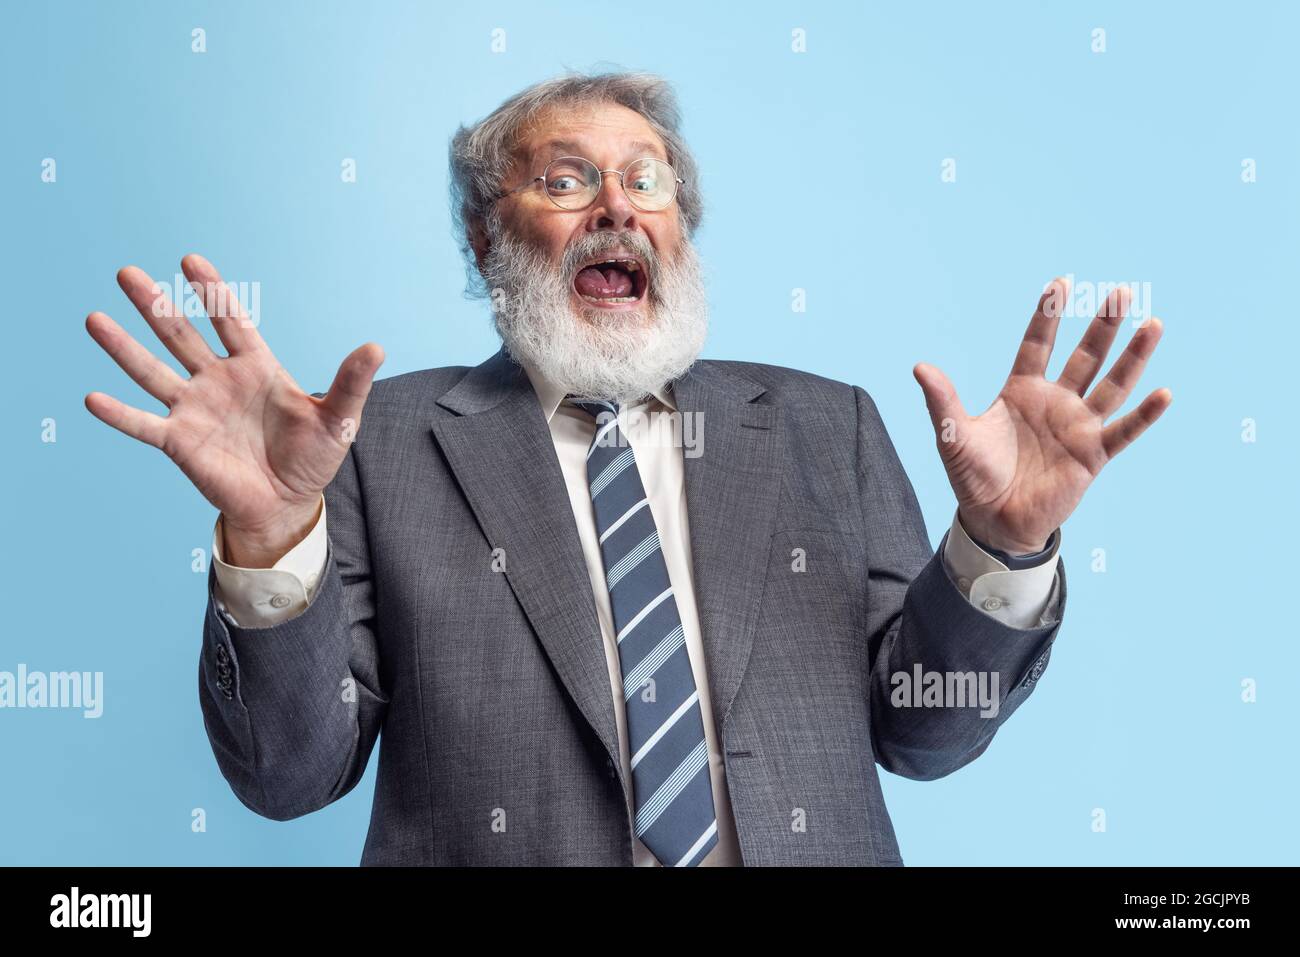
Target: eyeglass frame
[[601, 173]]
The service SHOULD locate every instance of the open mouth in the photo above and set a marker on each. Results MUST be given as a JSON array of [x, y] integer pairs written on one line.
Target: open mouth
[[612, 282]]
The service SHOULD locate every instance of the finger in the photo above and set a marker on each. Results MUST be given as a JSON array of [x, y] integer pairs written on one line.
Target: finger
[[347, 394], [222, 305], [1085, 362], [946, 411], [169, 325], [1040, 336], [1109, 394], [1120, 434], [147, 370], [145, 426]]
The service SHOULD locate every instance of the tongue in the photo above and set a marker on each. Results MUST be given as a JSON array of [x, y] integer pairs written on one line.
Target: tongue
[[611, 284]]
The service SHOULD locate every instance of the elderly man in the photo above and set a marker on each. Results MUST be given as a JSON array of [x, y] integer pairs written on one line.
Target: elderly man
[[610, 603]]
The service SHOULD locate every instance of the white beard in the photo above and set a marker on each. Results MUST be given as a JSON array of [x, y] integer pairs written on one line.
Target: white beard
[[616, 355]]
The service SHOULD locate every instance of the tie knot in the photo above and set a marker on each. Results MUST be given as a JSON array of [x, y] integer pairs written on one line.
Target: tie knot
[[594, 407]]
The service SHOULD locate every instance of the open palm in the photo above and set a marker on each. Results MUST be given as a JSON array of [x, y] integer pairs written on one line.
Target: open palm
[[1019, 469], [254, 444]]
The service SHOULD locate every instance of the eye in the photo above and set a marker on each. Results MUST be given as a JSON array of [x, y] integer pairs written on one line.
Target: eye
[[645, 184], [564, 183]]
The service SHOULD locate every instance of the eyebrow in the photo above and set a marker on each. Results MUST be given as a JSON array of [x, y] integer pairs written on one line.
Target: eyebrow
[[558, 147]]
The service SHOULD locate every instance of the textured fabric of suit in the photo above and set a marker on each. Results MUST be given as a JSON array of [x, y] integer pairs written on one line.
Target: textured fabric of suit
[[454, 616]]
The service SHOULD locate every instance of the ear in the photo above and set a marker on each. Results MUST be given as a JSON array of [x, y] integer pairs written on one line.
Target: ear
[[478, 241]]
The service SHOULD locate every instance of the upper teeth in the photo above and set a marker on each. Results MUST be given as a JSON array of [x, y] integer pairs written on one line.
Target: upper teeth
[[631, 264]]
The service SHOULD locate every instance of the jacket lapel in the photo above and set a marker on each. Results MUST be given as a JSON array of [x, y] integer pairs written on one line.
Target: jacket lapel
[[732, 491], [500, 449]]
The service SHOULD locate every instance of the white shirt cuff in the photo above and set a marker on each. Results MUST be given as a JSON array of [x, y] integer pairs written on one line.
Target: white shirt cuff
[[1017, 598], [262, 597]]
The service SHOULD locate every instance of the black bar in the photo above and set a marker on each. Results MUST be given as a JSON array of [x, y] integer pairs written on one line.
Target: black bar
[[916, 905]]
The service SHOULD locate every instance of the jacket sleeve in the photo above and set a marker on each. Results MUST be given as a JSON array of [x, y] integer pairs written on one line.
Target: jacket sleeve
[[292, 711], [920, 624]]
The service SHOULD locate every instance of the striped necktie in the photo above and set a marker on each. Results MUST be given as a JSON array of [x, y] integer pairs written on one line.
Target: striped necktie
[[670, 758]]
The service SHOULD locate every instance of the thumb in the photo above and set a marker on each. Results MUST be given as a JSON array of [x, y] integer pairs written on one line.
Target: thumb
[[347, 394], [946, 412]]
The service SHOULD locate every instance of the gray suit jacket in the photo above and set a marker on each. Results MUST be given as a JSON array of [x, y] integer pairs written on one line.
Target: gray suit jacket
[[491, 688]]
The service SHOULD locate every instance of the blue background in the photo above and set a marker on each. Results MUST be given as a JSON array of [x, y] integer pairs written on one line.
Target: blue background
[[1122, 166]]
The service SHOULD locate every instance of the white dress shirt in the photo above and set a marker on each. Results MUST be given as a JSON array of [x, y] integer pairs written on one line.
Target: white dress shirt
[[261, 597]]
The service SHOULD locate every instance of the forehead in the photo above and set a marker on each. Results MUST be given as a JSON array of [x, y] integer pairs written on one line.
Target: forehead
[[603, 133]]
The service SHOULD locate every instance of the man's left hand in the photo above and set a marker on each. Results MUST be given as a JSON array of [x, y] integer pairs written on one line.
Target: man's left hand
[[1019, 469]]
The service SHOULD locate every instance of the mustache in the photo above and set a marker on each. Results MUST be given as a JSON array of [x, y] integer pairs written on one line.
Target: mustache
[[600, 244], [525, 270]]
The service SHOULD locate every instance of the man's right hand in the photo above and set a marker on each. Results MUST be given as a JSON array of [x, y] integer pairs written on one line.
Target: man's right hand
[[254, 444]]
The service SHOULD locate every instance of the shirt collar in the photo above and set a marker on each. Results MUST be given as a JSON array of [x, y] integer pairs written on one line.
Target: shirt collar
[[551, 395]]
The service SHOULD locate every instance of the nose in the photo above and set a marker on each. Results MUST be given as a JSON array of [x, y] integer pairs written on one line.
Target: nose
[[611, 208]]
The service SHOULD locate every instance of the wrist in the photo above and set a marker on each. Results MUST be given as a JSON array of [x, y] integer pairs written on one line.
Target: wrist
[[992, 542], [1014, 549], [261, 545]]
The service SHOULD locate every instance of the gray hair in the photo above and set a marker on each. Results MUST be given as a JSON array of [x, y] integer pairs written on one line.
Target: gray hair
[[480, 155]]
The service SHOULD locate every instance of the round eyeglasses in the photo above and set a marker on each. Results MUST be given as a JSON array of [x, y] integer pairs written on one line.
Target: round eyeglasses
[[574, 183]]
